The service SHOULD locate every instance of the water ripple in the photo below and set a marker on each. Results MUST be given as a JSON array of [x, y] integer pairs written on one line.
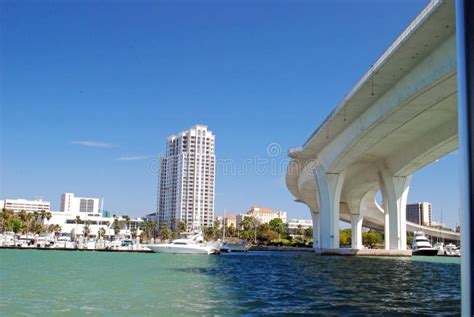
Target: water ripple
[[77, 283]]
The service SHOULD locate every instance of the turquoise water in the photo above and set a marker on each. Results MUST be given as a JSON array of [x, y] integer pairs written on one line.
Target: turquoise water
[[57, 283]]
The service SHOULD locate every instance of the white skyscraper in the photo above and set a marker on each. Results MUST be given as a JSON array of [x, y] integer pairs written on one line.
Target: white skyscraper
[[187, 178]]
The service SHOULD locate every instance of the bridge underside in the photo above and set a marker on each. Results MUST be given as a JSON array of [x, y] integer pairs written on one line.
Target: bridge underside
[[400, 117]]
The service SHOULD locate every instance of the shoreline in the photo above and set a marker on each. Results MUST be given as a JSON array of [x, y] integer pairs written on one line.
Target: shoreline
[[75, 249], [267, 248]]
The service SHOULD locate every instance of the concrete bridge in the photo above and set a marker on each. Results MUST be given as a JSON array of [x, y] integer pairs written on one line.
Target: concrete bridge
[[399, 117], [441, 234]]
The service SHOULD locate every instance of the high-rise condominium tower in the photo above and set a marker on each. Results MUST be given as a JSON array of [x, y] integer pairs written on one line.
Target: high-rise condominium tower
[[187, 178]]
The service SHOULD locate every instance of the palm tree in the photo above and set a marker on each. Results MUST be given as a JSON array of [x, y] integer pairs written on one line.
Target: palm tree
[[43, 215], [3, 219], [102, 232], [24, 217], [29, 221], [147, 224], [250, 225], [181, 226], [77, 221], [231, 230], [49, 215], [7, 216], [127, 222], [38, 228], [34, 221], [308, 233], [153, 225], [116, 227], [276, 224], [86, 231], [57, 230], [164, 232]]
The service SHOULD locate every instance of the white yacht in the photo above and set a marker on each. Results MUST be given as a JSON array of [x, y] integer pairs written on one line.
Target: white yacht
[[440, 247], [452, 250], [193, 244], [421, 245], [65, 242], [7, 239]]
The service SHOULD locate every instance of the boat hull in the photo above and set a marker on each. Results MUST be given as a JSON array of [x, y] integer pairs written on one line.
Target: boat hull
[[234, 247], [425, 252], [173, 249]]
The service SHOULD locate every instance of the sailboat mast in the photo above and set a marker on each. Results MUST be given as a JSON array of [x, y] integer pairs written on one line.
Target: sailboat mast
[[223, 227], [441, 224]]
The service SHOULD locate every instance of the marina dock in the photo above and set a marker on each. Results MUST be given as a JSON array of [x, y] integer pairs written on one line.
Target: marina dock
[[77, 249]]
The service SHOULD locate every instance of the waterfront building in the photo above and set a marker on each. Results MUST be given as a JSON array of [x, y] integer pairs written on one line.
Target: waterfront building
[[17, 205], [187, 179], [294, 224], [70, 225], [67, 220], [227, 219], [70, 203], [265, 215], [230, 220], [420, 213], [296, 227]]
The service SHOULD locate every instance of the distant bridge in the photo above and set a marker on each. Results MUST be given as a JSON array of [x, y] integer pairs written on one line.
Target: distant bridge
[[401, 116], [441, 234]]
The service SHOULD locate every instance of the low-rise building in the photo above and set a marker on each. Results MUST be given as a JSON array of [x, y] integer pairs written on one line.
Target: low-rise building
[[70, 225], [265, 215], [298, 224], [17, 205], [227, 219], [67, 220], [230, 220]]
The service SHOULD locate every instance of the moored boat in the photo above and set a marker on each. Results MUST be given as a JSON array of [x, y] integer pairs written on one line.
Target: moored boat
[[194, 244], [440, 247], [452, 250], [421, 246], [235, 247]]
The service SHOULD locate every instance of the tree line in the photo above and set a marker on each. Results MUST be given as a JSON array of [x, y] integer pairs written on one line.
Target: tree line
[[24, 222], [369, 239], [250, 229]]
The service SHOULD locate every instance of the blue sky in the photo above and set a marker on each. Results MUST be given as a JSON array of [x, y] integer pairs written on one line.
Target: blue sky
[[91, 90]]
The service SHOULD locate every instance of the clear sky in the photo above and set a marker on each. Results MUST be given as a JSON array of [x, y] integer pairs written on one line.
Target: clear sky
[[91, 90]]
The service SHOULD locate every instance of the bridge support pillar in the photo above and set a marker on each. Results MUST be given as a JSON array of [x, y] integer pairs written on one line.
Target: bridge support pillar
[[356, 224], [395, 193], [329, 187], [386, 225], [316, 230]]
